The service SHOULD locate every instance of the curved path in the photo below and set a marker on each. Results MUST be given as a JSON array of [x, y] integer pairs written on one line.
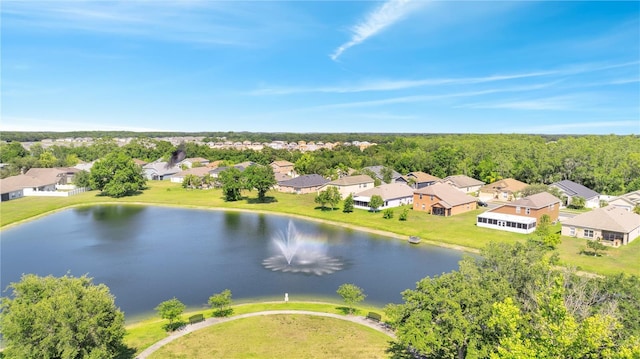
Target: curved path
[[213, 321]]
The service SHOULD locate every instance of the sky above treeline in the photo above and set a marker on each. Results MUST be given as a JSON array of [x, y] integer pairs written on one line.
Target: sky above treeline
[[567, 67]]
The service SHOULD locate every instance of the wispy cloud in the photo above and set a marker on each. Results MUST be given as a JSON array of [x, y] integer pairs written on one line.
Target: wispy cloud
[[14, 123], [538, 104], [402, 84], [374, 22]]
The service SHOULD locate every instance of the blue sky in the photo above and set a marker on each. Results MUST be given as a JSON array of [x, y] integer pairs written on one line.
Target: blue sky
[[566, 67]]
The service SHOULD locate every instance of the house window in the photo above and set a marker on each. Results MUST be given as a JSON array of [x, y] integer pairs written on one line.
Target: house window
[[572, 231], [423, 207], [504, 194], [588, 233], [431, 197], [420, 196], [527, 211], [518, 209], [551, 206]]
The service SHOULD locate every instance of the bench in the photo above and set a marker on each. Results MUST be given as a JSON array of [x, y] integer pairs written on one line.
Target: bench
[[196, 318], [374, 316]]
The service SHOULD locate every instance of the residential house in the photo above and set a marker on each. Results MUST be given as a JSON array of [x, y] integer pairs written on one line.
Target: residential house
[[241, 166], [521, 215], [350, 184], [196, 171], [418, 179], [33, 182], [378, 171], [393, 195], [463, 183], [302, 184], [190, 162], [159, 170], [627, 201], [503, 190], [571, 189], [613, 225], [442, 199], [283, 167], [139, 162]]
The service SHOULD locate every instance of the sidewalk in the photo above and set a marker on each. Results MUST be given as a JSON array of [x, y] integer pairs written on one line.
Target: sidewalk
[[213, 321]]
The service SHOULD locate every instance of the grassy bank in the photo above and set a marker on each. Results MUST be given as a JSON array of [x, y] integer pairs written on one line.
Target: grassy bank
[[144, 333], [456, 232]]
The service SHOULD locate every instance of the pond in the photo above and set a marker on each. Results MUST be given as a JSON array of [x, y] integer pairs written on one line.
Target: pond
[[148, 254]]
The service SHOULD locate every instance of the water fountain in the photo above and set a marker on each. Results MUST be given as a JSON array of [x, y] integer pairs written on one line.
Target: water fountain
[[301, 253]]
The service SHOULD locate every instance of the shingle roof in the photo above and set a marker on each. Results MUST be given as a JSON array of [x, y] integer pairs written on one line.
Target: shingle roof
[[609, 218], [448, 195], [537, 200], [575, 189], [351, 180], [282, 163], [421, 177], [161, 168], [198, 171], [461, 181], [35, 177], [388, 191], [378, 172], [313, 180], [505, 185]]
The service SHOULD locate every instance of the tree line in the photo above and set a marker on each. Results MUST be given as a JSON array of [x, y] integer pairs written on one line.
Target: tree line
[[608, 164]]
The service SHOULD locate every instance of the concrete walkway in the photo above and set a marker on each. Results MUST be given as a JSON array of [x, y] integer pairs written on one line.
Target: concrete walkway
[[213, 321]]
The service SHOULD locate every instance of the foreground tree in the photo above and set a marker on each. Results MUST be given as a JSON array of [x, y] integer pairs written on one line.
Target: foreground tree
[[232, 184], [351, 294], [66, 317], [330, 196], [116, 175], [171, 309], [220, 302], [348, 204], [261, 178]]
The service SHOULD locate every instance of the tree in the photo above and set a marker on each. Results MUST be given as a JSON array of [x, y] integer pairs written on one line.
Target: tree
[[404, 214], [261, 178], [232, 184], [82, 179], [220, 301], [12, 150], [65, 317], [636, 209], [171, 309], [329, 196], [387, 174], [348, 204], [388, 213], [534, 189], [544, 233], [577, 202], [116, 175], [596, 246], [191, 181], [375, 202], [47, 160], [351, 294]]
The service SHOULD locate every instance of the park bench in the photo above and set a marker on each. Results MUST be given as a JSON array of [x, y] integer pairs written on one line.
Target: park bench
[[196, 318], [374, 316]]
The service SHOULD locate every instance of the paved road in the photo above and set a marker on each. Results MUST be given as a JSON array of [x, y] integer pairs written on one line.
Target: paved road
[[213, 321]]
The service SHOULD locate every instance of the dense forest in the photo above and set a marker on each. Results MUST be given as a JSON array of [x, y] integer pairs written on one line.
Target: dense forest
[[608, 164]]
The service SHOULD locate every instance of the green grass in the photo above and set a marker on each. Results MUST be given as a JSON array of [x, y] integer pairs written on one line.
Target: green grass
[[280, 336], [457, 231], [142, 334]]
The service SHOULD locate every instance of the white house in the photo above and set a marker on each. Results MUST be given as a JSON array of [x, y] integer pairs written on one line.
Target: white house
[[393, 195]]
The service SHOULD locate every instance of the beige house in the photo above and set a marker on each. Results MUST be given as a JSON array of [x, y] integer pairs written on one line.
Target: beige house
[[613, 225], [627, 201], [463, 183], [418, 179], [503, 190], [284, 167], [350, 185]]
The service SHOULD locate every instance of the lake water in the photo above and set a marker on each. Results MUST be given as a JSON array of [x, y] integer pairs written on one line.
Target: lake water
[[146, 255]]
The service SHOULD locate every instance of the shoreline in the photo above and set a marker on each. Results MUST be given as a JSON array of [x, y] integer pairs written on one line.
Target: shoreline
[[244, 210]]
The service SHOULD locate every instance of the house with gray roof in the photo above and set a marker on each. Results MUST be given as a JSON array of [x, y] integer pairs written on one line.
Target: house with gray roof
[[572, 189], [350, 185], [34, 182], [196, 171], [302, 184], [378, 171], [393, 195], [418, 179], [159, 171], [612, 225], [463, 183]]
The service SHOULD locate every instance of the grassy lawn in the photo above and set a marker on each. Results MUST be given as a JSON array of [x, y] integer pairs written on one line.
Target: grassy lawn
[[142, 334], [280, 336], [457, 232]]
